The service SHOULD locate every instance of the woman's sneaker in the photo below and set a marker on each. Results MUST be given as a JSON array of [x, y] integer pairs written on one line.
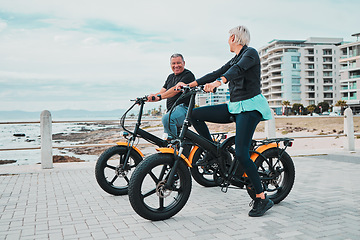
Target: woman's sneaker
[[260, 206]]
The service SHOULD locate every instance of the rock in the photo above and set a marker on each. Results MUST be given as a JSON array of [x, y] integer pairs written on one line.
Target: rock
[[61, 159], [19, 135], [7, 161]]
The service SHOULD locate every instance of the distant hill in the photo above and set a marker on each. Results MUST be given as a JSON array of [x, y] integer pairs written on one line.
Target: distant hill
[[62, 114]]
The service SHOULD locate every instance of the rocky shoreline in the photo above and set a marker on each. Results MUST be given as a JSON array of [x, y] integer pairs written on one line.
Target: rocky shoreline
[[110, 134]]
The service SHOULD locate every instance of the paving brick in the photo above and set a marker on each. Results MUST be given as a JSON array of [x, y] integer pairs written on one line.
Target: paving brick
[[68, 204]]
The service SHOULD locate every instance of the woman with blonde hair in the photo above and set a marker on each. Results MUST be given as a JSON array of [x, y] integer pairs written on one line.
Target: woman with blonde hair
[[247, 105]]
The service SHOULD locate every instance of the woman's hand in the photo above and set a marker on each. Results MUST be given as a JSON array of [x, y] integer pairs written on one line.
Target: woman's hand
[[179, 86], [209, 87]]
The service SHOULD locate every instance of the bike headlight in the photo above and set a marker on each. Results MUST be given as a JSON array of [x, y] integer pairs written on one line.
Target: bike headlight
[[124, 134]]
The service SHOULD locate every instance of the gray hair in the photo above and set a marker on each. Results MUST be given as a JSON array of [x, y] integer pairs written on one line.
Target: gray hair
[[175, 55], [242, 35]]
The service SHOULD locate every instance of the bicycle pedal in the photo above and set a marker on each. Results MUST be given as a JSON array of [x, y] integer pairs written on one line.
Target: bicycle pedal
[[225, 187]]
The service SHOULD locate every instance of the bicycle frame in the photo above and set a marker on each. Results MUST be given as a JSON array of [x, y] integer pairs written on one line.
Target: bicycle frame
[[138, 132]]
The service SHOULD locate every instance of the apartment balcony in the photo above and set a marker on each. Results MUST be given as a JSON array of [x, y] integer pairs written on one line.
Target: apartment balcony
[[276, 85], [275, 66], [309, 67], [349, 88], [309, 60], [327, 60], [276, 76], [354, 76], [265, 69], [267, 88], [265, 74], [310, 74], [278, 47], [279, 92], [349, 98], [265, 80], [328, 89], [274, 56], [327, 52], [275, 71], [327, 67]]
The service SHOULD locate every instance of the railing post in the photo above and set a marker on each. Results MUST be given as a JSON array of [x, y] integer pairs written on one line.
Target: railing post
[[270, 129], [46, 139], [349, 129]]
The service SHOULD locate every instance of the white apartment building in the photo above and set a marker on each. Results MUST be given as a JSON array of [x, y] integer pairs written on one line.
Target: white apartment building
[[350, 74], [300, 71], [221, 95]]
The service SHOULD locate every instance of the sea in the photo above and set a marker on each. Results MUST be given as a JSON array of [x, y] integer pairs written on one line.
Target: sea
[[22, 134]]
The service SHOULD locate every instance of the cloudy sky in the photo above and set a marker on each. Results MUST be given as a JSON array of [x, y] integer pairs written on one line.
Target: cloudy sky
[[96, 55]]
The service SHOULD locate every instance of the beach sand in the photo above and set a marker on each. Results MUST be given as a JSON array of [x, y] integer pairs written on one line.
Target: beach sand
[[309, 133]]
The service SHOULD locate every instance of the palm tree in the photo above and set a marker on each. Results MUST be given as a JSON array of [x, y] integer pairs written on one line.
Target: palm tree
[[342, 104], [286, 104], [311, 108]]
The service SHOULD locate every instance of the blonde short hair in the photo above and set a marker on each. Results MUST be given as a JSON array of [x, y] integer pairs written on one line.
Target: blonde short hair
[[242, 35]]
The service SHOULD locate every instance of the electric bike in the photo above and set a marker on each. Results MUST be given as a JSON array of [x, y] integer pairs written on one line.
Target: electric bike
[[161, 184], [116, 164]]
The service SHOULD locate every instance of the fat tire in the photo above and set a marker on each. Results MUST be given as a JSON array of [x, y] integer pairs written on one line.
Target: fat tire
[[141, 179], [105, 172], [288, 174]]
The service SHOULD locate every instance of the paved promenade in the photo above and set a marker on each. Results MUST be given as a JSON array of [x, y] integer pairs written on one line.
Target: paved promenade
[[66, 203]]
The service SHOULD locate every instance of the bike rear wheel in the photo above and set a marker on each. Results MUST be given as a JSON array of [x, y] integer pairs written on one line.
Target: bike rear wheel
[[277, 174], [110, 172], [147, 192], [203, 175]]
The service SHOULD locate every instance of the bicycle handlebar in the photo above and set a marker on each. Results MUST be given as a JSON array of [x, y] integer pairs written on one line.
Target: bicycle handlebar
[[196, 88]]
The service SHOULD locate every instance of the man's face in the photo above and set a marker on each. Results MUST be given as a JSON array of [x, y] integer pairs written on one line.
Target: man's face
[[177, 65]]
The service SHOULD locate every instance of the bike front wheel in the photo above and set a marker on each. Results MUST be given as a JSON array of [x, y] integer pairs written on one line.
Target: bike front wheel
[[277, 174], [111, 172], [148, 194]]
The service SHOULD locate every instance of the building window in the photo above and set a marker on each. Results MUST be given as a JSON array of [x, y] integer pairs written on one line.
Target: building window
[[295, 88], [295, 80], [327, 52], [327, 59], [295, 58], [291, 50]]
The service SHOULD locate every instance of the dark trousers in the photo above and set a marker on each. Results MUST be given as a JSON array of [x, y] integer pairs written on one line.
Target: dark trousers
[[246, 123]]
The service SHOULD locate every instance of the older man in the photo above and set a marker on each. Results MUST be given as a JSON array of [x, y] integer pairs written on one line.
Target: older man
[[180, 74]]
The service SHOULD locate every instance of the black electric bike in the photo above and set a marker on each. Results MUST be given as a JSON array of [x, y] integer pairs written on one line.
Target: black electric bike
[[116, 164], [161, 184]]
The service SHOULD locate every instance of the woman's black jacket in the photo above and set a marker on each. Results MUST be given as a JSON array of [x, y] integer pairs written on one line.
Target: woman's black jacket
[[242, 73]]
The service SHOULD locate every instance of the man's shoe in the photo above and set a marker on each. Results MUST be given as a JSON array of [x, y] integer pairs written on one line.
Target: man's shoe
[[205, 160], [260, 206]]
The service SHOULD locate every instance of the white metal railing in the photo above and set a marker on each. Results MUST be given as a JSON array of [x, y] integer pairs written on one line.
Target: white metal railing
[[270, 132]]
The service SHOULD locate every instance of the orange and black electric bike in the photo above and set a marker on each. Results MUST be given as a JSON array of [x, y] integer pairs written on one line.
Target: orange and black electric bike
[[161, 184], [116, 164]]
